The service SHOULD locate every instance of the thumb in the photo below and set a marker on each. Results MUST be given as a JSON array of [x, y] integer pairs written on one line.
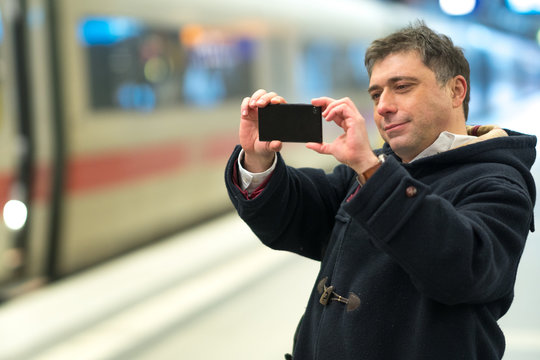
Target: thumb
[[321, 148], [275, 145]]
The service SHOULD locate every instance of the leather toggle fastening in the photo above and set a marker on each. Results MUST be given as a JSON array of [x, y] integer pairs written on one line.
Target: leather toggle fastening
[[328, 294]]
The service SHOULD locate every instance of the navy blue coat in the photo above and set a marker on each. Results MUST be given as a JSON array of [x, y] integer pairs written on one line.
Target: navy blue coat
[[425, 253]]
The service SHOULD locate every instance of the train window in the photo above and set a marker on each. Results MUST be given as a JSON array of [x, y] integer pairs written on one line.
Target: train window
[[328, 68], [480, 81], [136, 66]]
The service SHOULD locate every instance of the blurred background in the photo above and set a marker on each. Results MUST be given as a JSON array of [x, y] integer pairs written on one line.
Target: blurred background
[[117, 117]]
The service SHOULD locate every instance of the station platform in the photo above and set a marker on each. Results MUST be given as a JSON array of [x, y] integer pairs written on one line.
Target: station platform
[[213, 292]]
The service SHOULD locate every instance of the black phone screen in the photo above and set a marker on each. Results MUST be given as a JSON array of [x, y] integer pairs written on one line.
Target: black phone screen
[[290, 123]]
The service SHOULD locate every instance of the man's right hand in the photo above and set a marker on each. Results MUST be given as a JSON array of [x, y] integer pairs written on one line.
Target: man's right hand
[[259, 155]]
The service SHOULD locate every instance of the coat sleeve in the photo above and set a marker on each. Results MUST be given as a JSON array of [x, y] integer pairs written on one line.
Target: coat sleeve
[[461, 251], [296, 210]]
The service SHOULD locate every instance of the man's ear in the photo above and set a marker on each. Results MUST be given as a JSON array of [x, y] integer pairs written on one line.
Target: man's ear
[[459, 90]]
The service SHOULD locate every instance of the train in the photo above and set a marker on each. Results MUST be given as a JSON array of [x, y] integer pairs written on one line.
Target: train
[[118, 116]]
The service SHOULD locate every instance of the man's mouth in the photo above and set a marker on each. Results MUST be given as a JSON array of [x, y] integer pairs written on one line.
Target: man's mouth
[[390, 127]]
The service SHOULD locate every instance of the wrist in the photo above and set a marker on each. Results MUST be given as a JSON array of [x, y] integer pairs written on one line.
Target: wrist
[[364, 176], [257, 163]]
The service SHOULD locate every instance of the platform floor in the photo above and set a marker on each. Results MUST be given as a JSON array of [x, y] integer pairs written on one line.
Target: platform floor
[[257, 323]]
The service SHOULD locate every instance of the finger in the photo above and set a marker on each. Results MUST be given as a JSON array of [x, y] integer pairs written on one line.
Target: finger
[[321, 101], [278, 100], [337, 114], [255, 97], [266, 98], [343, 101], [244, 108]]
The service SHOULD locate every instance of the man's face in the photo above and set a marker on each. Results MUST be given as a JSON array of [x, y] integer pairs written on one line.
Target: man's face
[[411, 108]]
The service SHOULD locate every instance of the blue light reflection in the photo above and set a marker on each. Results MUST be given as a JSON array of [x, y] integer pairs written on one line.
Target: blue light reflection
[[107, 30]]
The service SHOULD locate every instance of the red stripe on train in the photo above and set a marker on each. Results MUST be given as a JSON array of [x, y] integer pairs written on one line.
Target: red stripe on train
[[94, 172], [6, 181], [104, 170], [219, 148], [42, 183]]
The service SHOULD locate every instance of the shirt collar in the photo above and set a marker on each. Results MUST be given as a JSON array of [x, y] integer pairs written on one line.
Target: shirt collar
[[444, 142]]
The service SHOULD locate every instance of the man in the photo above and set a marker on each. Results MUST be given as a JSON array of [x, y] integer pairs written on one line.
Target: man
[[420, 241]]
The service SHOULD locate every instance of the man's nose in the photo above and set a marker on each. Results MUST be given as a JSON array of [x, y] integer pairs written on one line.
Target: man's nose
[[386, 104]]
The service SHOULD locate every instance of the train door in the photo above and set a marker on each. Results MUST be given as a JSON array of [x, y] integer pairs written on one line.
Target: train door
[[13, 150], [27, 143], [45, 133]]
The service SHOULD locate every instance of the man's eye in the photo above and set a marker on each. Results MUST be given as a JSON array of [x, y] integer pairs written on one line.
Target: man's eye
[[375, 96], [402, 87]]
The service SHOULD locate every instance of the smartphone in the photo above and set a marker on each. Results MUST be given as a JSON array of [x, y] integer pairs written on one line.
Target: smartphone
[[290, 123]]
